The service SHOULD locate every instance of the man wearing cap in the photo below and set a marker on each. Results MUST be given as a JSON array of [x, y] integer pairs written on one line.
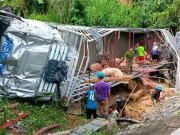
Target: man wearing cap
[[129, 60], [120, 102], [102, 93], [156, 93]]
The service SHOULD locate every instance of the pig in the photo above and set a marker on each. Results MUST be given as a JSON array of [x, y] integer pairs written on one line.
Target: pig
[[135, 65], [95, 67], [123, 64], [113, 72]]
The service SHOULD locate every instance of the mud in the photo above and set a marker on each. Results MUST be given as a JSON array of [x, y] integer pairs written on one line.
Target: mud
[[140, 101]]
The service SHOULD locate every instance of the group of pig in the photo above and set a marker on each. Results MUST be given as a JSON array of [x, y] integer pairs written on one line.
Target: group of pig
[[109, 71], [119, 64]]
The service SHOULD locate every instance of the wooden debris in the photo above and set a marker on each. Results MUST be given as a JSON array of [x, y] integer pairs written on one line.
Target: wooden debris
[[74, 108], [67, 132], [13, 122], [131, 85], [126, 78], [13, 105], [90, 127], [41, 131]]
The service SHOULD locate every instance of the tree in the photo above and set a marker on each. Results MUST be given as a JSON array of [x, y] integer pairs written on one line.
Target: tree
[[60, 7]]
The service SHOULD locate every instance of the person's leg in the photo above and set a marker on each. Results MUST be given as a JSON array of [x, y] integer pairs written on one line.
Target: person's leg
[[98, 111], [126, 68], [143, 60], [94, 113], [105, 108], [88, 112], [155, 60], [131, 65], [140, 61]]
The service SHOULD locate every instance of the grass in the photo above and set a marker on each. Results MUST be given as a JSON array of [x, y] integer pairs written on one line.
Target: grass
[[40, 115]]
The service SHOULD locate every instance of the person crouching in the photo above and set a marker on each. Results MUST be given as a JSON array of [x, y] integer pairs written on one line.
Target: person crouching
[[156, 94]]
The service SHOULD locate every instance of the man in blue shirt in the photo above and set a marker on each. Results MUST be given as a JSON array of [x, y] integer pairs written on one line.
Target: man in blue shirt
[[91, 105]]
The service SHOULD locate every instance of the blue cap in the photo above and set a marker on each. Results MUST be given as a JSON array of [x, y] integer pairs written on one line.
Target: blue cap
[[159, 87], [100, 74]]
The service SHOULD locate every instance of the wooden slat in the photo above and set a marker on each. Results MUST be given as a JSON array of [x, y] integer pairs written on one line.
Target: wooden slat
[[125, 78]]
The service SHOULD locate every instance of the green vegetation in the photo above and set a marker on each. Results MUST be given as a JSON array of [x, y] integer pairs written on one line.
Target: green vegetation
[[40, 115], [138, 13]]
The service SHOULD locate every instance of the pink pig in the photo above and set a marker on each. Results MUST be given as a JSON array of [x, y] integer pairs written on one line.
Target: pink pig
[[95, 67], [113, 72]]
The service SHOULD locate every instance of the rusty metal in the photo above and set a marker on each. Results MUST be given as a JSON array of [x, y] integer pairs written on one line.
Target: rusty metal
[[13, 122]]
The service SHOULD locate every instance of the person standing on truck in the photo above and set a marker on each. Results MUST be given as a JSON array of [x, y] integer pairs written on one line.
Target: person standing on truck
[[91, 104], [129, 60], [154, 53], [102, 93], [141, 54]]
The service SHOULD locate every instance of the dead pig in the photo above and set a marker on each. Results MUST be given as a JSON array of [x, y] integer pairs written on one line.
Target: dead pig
[[95, 67], [113, 72]]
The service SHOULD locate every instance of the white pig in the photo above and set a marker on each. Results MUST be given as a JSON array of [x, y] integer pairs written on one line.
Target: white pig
[[95, 67], [113, 72]]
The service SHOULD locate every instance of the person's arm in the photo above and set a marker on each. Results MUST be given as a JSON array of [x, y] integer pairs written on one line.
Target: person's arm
[[95, 96], [109, 94], [85, 95]]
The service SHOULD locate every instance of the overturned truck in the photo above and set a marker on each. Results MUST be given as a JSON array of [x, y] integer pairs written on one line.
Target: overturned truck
[[32, 51]]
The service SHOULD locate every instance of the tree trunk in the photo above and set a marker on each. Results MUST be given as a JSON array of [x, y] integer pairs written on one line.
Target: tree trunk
[[69, 11]]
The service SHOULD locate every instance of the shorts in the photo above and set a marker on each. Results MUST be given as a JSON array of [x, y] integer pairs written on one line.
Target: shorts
[[141, 58], [155, 57], [102, 107], [91, 112]]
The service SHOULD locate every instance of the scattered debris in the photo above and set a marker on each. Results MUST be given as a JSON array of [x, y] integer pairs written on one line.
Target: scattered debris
[[91, 127], [7, 124], [13, 105], [41, 131], [163, 118], [67, 132]]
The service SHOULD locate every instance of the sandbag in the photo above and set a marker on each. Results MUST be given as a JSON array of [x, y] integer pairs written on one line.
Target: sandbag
[[138, 95], [131, 85]]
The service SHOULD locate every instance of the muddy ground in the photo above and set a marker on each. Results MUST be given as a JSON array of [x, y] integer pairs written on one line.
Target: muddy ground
[[162, 119]]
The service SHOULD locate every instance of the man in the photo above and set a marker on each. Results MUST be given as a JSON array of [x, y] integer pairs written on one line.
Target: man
[[91, 104], [154, 53], [120, 102], [156, 93], [141, 54], [102, 93], [129, 60]]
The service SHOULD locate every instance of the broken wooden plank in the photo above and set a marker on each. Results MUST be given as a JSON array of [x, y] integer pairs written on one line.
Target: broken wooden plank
[[41, 131], [91, 127], [13, 122], [126, 78]]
